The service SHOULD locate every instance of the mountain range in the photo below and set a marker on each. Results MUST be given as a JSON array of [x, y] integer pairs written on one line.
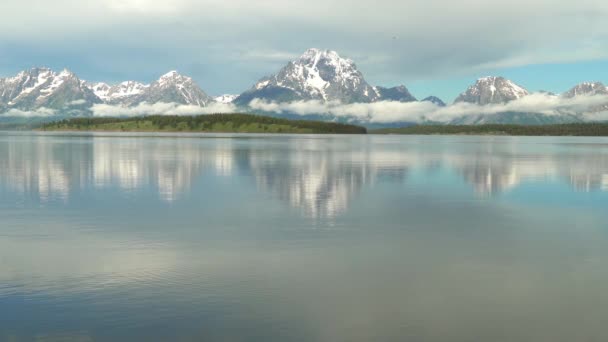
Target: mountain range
[[318, 75]]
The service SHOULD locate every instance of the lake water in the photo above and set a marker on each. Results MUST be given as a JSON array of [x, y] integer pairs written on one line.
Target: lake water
[[122, 237]]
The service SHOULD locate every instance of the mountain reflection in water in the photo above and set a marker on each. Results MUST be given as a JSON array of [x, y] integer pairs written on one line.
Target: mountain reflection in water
[[318, 175], [156, 237]]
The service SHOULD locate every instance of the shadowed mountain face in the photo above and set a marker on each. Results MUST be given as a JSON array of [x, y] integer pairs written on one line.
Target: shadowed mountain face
[[515, 118], [399, 94], [434, 99]]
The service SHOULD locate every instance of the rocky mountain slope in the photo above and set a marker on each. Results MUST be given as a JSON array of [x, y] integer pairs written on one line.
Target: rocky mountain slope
[[492, 90], [434, 99], [43, 88], [586, 88], [321, 75], [173, 87], [123, 93]]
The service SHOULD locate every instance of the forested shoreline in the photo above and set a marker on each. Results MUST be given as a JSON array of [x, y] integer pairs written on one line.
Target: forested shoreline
[[214, 123], [573, 129]]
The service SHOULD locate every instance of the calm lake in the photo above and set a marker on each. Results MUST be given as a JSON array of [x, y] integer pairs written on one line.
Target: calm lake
[[122, 237]]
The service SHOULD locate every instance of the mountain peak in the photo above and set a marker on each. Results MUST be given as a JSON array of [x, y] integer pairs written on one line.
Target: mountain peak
[[315, 54], [171, 87], [435, 100], [398, 94], [587, 88], [42, 87], [492, 90], [171, 73], [490, 79], [226, 98], [316, 75], [66, 73]]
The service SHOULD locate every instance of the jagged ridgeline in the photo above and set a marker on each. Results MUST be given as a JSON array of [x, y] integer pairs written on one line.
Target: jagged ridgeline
[[317, 81], [321, 75], [214, 123]]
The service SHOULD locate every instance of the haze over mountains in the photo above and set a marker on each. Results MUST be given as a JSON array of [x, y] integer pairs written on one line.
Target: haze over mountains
[[319, 83]]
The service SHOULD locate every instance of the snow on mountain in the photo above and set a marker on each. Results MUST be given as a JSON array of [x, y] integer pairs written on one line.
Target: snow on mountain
[[123, 93], [127, 89], [171, 87], [586, 88], [316, 75], [492, 90], [42, 87], [226, 98], [100, 89], [589, 89]]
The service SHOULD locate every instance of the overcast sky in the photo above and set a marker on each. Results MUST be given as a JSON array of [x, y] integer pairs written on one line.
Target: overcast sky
[[432, 46]]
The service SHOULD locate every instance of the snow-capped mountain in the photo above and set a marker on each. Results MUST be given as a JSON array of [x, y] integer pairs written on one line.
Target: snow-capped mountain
[[434, 99], [589, 89], [172, 87], [64, 92], [586, 88], [492, 90], [498, 90], [316, 75], [169, 88], [42, 87], [121, 93], [226, 98], [321, 75], [100, 89]]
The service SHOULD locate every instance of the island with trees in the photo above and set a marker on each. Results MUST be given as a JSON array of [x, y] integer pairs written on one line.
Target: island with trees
[[212, 123]]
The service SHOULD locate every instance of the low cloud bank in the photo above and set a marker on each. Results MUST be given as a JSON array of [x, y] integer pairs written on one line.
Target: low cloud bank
[[37, 113], [587, 107], [161, 108]]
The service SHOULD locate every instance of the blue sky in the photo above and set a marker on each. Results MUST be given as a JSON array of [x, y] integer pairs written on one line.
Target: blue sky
[[434, 47]]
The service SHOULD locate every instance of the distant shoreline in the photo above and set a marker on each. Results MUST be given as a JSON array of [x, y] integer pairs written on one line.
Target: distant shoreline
[[574, 129]]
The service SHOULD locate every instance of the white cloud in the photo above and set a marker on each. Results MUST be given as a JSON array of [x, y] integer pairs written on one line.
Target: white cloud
[[416, 39], [146, 6], [385, 112], [41, 112], [77, 102], [161, 108]]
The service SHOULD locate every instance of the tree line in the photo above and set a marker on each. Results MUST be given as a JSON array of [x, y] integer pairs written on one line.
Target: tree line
[[211, 122], [571, 129]]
